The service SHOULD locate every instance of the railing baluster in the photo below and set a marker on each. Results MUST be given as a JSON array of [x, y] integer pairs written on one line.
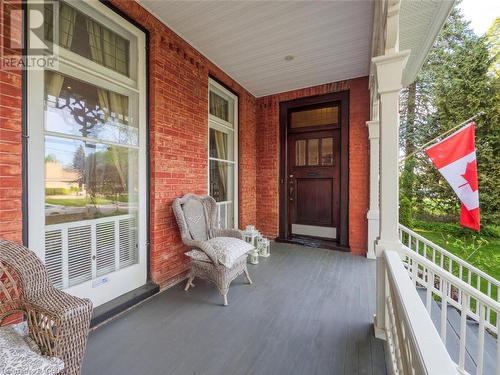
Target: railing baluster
[[430, 282], [480, 350], [498, 346], [444, 309], [414, 269], [463, 327]]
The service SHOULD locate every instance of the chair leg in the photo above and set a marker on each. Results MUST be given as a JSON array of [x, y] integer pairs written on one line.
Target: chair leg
[[248, 276], [189, 283], [225, 299]]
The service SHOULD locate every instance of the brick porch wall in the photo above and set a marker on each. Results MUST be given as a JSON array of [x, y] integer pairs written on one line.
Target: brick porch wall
[[178, 113], [178, 87], [10, 140], [268, 157]]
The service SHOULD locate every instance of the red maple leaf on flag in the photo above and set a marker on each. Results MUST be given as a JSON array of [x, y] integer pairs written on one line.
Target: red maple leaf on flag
[[470, 175]]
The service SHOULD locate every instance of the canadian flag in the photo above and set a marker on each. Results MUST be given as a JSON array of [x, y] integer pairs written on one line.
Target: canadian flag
[[455, 158]]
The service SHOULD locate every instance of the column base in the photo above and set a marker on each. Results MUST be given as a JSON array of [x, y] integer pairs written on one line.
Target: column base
[[378, 331], [373, 231], [392, 245]]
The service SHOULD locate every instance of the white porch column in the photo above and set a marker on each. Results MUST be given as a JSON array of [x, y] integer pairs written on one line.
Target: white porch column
[[389, 78], [389, 72], [373, 214]]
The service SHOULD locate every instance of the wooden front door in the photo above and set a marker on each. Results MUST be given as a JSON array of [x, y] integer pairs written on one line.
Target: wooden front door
[[314, 170], [313, 183]]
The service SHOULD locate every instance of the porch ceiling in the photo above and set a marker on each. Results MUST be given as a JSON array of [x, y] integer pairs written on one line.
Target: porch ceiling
[[330, 41]]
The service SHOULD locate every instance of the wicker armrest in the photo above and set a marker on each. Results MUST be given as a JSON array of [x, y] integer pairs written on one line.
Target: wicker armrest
[[236, 233], [59, 324]]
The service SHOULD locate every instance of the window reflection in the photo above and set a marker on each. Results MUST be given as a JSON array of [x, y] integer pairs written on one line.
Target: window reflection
[[78, 108], [86, 181]]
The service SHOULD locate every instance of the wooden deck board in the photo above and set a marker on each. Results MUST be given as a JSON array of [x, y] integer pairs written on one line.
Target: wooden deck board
[[309, 311]]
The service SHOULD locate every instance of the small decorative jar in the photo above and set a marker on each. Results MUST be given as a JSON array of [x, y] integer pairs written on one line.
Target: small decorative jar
[[253, 257], [264, 247]]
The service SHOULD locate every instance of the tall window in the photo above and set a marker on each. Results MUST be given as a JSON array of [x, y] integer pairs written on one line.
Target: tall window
[[87, 153], [223, 153]]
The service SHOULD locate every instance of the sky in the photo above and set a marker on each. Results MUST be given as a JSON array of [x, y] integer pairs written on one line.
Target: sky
[[481, 13]]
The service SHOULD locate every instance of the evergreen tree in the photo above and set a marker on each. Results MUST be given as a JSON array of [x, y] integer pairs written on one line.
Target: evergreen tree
[[454, 84]]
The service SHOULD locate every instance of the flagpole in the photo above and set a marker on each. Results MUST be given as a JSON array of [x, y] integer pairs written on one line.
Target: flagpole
[[421, 148]]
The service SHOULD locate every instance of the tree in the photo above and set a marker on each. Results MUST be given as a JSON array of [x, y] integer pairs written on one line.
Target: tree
[[453, 85]]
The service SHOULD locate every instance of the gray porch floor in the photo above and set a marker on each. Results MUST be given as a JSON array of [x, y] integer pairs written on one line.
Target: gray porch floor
[[309, 311]]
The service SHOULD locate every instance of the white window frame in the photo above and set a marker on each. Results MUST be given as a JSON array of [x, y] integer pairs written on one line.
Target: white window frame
[[96, 74], [216, 123]]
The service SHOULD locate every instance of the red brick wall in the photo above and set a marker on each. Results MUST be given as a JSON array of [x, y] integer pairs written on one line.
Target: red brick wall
[[179, 137], [268, 157], [178, 86], [10, 137]]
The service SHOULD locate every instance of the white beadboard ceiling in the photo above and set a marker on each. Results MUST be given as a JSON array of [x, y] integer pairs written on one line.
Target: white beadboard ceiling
[[419, 24], [330, 40]]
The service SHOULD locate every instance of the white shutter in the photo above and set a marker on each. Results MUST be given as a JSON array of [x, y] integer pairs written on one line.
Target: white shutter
[[79, 254], [128, 242], [105, 247], [53, 257]]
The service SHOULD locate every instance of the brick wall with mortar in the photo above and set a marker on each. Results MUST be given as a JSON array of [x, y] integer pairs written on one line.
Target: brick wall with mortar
[[178, 88], [268, 157], [10, 129]]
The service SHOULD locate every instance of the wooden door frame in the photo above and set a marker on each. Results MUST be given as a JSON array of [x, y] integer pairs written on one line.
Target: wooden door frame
[[343, 98]]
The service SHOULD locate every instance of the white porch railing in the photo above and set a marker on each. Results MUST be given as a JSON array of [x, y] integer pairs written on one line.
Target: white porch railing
[[413, 342], [450, 262], [469, 302], [453, 287]]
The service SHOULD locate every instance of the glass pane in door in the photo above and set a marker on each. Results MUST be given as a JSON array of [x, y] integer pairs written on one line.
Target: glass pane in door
[[313, 151]]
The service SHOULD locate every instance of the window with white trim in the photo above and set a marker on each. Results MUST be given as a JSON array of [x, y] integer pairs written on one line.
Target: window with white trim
[[87, 153], [223, 153]]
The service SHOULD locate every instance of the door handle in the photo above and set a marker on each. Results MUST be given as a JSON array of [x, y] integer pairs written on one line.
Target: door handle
[[290, 192]]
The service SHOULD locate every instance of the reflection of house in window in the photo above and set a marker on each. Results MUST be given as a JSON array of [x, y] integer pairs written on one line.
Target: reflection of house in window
[[60, 180]]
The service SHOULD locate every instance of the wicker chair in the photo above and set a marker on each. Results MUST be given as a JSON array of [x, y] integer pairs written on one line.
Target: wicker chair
[[57, 322], [197, 218]]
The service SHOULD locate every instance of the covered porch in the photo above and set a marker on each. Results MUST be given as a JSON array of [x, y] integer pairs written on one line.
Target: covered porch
[[210, 91], [309, 311]]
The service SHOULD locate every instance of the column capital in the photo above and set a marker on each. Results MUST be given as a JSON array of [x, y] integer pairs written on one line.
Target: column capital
[[373, 129], [390, 71]]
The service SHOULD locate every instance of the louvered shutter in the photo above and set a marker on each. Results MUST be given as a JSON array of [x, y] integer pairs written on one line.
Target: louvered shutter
[[105, 248], [53, 257], [128, 242], [79, 254]]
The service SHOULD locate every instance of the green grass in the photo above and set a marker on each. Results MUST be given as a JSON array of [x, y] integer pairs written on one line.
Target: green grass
[[76, 202], [486, 259]]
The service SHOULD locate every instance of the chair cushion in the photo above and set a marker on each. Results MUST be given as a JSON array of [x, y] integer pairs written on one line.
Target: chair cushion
[[18, 356], [198, 255], [228, 249], [194, 213]]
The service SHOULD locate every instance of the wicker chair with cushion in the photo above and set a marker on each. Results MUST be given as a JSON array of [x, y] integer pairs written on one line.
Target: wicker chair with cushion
[[218, 255], [57, 322]]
